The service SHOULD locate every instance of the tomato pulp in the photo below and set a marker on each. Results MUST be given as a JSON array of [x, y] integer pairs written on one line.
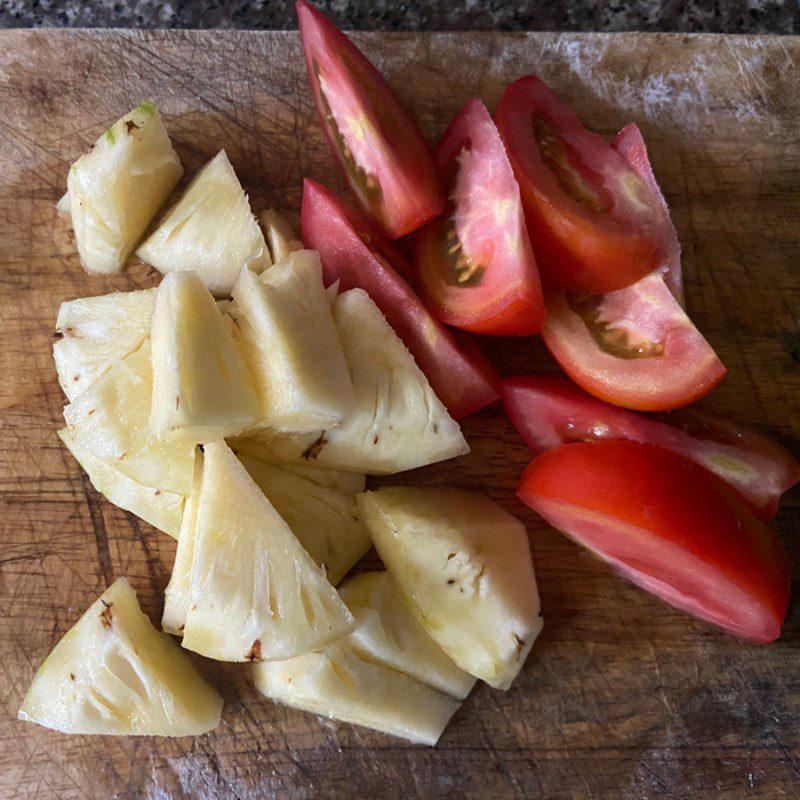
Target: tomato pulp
[[474, 265]]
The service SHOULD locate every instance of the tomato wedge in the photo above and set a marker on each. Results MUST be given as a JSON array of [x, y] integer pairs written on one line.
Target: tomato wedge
[[593, 221], [474, 265], [374, 140], [549, 411], [635, 348], [629, 143], [354, 253], [670, 527]]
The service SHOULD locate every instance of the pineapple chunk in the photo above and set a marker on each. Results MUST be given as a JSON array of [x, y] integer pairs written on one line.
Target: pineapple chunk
[[464, 566], [210, 230], [117, 188], [113, 673], [96, 332], [343, 481], [202, 387], [279, 234], [387, 632], [326, 522], [110, 421], [286, 320], [254, 592], [340, 684], [176, 596], [163, 510], [397, 424]]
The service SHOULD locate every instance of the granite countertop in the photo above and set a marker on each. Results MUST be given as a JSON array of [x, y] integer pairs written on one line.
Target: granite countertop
[[724, 16]]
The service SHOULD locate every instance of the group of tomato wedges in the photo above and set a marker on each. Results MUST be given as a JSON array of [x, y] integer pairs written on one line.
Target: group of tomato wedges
[[528, 223]]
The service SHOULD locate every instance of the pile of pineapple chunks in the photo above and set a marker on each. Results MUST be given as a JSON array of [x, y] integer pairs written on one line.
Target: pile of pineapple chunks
[[238, 408]]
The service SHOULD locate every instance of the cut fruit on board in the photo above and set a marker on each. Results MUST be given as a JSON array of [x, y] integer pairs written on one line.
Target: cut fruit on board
[[397, 423], [253, 592], [294, 350], [113, 673], [341, 684], [464, 566], [115, 190], [203, 389], [211, 230]]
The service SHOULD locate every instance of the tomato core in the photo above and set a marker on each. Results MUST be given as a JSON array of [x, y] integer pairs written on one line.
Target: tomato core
[[580, 182], [613, 340]]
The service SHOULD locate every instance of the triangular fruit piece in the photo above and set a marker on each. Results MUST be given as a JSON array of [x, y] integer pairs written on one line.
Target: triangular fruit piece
[[279, 234], [254, 593], [115, 674], [111, 421], [117, 188], [92, 333], [210, 230], [397, 423], [341, 684], [387, 632], [163, 510], [327, 522], [296, 356], [464, 567], [342, 480], [202, 386]]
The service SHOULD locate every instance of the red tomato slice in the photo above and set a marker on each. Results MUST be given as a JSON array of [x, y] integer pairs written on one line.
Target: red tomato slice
[[629, 143], [355, 254], [670, 527], [475, 268], [376, 143], [593, 221], [549, 411], [635, 347]]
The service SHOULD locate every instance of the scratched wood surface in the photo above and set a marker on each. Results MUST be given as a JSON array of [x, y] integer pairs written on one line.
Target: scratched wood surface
[[621, 697]]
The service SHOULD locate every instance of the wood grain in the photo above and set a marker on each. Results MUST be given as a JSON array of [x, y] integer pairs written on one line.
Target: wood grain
[[622, 697]]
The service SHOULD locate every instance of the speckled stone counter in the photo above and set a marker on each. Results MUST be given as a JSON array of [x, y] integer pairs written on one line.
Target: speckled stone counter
[[724, 16]]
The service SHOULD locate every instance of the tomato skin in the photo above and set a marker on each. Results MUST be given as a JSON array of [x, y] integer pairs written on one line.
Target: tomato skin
[[474, 265], [356, 255], [686, 370], [629, 143], [670, 527], [397, 185], [549, 411], [579, 248]]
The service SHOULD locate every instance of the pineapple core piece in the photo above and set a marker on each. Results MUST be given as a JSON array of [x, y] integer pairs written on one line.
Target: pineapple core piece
[[397, 422], [202, 386], [210, 230], [163, 510], [341, 684], [387, 632], [279, 234], [464, 567], [326, 521], [253, 591], [117, 188], [115, 674], [92, 333], [296, 355]]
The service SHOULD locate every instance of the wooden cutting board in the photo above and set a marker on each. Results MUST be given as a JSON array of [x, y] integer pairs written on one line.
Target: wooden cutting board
[[622, 696]]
